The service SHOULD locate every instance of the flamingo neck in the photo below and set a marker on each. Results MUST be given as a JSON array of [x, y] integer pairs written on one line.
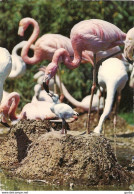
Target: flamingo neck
[[70, 98], [66, 58], [33, 37]]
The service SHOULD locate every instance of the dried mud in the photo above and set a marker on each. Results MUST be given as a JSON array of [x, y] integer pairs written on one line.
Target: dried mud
[[32, 151]]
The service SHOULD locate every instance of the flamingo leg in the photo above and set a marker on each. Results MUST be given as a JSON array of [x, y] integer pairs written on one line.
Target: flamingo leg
[[115, 119], [63, 130], [55, 87], [98, 110], [61, 90], [92, 94]]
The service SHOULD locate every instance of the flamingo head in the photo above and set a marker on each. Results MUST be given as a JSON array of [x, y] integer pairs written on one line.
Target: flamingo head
[[50, 71], [23, 25], [129, 45]]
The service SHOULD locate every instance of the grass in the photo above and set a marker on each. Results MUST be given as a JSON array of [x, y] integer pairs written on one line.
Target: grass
[[129, 117]]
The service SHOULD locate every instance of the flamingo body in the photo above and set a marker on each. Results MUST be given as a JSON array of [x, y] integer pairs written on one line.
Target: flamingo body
[[45, 46], [112, 76], [5, 67]]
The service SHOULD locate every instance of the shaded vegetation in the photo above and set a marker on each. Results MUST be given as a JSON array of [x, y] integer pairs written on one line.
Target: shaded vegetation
[[56, 16]]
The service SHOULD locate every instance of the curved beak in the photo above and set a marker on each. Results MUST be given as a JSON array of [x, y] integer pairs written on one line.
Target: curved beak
[[21, 31]]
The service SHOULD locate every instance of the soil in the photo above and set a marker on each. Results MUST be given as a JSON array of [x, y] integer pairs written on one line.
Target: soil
[[32, 150]]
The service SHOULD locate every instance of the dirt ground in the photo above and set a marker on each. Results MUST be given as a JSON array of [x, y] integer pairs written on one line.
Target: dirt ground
[[33, 151]]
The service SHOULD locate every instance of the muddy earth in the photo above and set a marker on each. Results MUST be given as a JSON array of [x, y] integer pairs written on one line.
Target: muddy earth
[[36, 150]]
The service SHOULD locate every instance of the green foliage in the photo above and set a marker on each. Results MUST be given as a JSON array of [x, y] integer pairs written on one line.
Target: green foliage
[[56, 16], [128, 116]]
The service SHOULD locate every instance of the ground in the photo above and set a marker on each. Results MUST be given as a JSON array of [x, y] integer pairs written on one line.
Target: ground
[[32, 150]]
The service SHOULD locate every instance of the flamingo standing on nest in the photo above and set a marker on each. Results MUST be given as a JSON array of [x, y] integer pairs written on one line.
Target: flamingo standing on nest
[[36, 110], [62, 111], [92, 35]]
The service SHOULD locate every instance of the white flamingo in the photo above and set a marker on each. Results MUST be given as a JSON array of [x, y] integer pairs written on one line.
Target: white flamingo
[[18, 65], [5, 68], [112, 76], [84, 104]]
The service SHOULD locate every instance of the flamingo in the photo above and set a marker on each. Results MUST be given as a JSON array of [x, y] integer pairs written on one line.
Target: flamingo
[[92, 35], [40, 95], [45, 46], [9, 105], [112, 76], [129, 45], [34, 110], [5, 68], [84, 104], [37, 110], [18, 65], [62, 111]]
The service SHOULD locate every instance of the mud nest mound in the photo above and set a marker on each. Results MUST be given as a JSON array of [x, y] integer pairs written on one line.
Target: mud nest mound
[[31, 151]]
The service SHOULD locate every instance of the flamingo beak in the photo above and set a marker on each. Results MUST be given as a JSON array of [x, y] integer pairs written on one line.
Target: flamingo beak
[[21, 31], [45, 86], [46, 82]]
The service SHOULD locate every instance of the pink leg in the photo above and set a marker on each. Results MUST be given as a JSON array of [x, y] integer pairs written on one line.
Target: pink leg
[[92, 94]]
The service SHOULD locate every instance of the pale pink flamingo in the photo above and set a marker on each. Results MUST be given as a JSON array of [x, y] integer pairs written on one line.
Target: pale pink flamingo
[[92, 35], [36, 110], [45, 46]]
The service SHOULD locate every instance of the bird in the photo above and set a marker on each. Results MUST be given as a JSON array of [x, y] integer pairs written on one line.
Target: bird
[[40, 95], [5, 68], [8, 107], [131, 82], [37, 110], [129, 45], [18, 65], [62, 111], [112, 77], [92, 35], [45, 46], [84, 104]]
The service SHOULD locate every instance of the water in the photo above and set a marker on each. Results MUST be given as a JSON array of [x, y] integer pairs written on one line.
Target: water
[[10, 184]]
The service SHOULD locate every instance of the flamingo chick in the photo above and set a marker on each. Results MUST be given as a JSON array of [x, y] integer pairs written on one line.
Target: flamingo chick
[[62, 111], [112, 76]]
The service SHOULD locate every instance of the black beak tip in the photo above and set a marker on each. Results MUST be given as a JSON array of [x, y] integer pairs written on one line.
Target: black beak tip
[[45, 86]]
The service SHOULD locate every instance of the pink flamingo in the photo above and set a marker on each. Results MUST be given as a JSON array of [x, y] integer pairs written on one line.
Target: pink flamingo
[[45, 46], [36, 110], [92, 35]]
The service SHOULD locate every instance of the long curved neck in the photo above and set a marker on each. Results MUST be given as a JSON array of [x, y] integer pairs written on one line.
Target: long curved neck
[[33, 37], [68, 96], [66, 58]]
